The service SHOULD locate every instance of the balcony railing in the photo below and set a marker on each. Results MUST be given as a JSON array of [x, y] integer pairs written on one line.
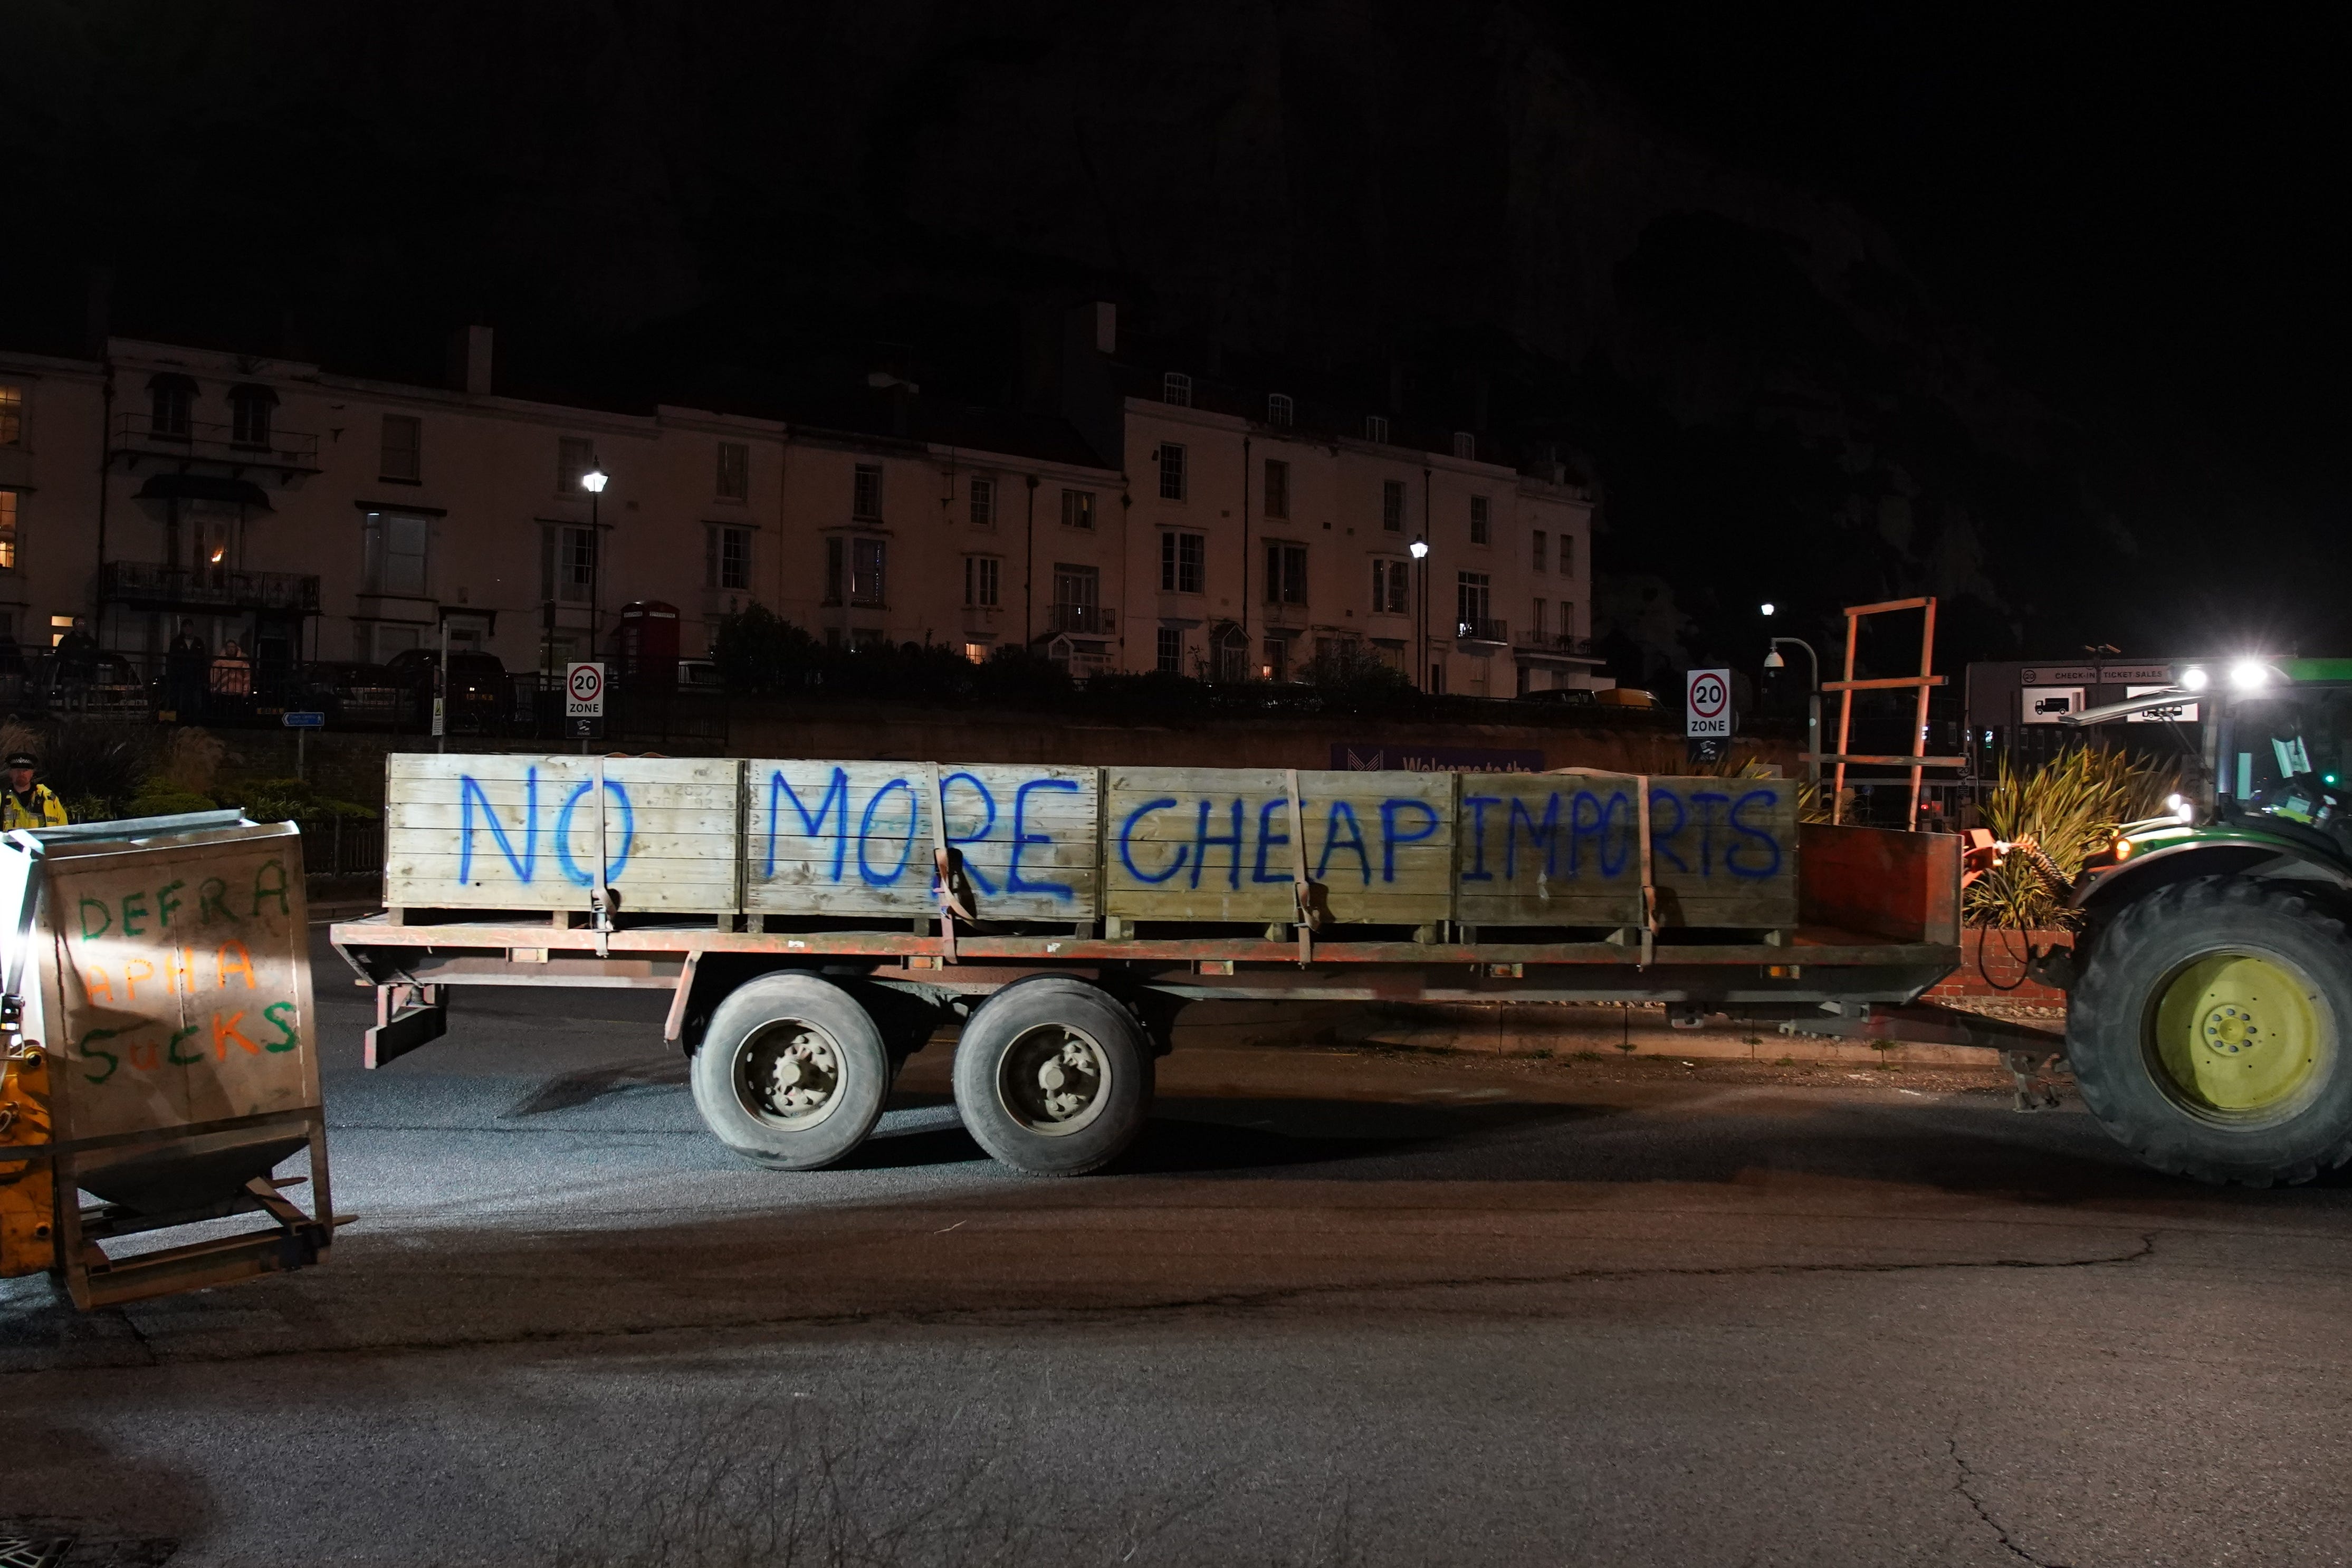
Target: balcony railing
[[1556, 642], [1482, 630], [1091, 619], [288, 451], [172, 588]]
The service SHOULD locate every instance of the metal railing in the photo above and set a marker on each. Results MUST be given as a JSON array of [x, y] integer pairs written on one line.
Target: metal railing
[[296, 451], [1092, 619], [1556, 642], [1482, 630], [148, 581], [342, 847]]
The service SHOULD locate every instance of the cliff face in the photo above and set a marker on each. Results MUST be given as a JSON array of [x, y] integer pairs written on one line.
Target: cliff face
[[1387, 201]]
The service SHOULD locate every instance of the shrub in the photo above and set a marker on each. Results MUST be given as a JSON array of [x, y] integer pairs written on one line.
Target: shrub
[[2069, 809]]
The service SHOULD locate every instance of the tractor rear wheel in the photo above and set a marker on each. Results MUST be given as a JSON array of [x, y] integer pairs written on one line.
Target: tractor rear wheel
[[2211, 1032]]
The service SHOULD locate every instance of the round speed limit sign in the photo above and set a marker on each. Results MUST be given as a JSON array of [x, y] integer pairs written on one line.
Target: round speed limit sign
[[584, 689], [1707, 700]]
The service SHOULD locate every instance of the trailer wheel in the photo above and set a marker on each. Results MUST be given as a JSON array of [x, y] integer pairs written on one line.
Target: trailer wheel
[[1053, 1077], [2211, 1033], [792, 1072]]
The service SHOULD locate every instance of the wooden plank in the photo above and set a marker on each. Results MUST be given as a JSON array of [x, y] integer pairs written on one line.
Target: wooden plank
[[1548, 849], [1723, 852], [824, 837], [1214, 844], [467, 831]]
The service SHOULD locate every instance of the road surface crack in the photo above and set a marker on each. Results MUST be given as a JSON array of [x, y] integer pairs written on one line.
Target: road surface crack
[[1965, 1484]]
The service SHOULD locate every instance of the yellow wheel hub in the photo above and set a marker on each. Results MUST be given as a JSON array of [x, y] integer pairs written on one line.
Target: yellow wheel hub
[[2242, 1034]]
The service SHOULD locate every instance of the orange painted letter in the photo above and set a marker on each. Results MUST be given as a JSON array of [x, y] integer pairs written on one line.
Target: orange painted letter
[[224, 1030], [223, 968]]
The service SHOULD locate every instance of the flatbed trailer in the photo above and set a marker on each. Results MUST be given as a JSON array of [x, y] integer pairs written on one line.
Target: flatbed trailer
[[797, 1008]]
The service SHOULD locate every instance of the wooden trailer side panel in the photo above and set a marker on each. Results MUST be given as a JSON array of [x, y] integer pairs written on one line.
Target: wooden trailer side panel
[[1214, 843], [479, 831], [857, 839], [1548, 849], [1723, 852]]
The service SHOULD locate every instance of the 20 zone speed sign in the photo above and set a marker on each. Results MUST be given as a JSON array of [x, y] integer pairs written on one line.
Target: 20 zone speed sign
[[583, 691], [1707, 700]]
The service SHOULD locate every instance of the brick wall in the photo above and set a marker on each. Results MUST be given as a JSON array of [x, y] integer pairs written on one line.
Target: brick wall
[[1992, 964]]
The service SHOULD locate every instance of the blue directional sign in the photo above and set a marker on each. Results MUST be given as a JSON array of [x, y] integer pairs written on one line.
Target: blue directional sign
[[306, 720]]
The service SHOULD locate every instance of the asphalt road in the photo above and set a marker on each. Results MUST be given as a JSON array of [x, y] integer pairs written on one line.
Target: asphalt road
[[1337, 1308]]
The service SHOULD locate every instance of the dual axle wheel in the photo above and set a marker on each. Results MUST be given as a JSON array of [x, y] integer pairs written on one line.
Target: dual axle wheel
[[1052, 1075]]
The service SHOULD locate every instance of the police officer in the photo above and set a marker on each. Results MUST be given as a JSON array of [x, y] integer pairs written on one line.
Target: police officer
[[26, 804]]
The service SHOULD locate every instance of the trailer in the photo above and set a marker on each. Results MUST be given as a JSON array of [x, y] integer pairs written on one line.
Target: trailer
[[816, 921]]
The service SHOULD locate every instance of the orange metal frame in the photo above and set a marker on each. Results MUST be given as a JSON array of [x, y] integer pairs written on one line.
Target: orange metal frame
[[1918, 760]]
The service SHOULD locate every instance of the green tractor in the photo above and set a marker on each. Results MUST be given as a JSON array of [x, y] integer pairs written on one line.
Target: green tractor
[[2209, 1015]]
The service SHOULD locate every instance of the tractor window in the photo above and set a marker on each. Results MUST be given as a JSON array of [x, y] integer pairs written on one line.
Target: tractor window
[[2288, 754]]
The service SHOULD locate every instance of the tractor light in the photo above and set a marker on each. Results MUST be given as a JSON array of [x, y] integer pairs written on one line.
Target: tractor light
[[2195, 679], [2249, 675], [2123, 849], [2181, 806]]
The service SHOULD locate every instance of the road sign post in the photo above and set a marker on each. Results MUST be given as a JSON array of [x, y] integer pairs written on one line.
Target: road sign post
[[1707, 705], [583, 700], [302, 724]]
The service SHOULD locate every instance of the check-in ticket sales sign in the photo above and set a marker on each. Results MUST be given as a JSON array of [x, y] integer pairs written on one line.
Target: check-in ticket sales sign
[[1707, 700]]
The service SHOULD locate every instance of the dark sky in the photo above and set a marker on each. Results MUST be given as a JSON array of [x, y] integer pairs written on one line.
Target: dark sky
[[2145, 216]]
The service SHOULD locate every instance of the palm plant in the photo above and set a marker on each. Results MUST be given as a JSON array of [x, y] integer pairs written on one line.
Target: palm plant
[[2068, 809]]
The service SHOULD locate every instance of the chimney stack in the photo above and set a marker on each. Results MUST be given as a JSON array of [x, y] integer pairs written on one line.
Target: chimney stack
[[469, 360]]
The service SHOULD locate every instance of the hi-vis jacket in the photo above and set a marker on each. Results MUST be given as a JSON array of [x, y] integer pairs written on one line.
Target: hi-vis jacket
[[48, 810]]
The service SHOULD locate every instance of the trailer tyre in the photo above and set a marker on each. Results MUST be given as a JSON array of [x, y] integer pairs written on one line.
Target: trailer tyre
[[2211, 1033], [792, 1072], [1053, 1077]]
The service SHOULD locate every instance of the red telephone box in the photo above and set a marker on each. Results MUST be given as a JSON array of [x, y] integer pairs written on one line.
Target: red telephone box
[[644, 645]]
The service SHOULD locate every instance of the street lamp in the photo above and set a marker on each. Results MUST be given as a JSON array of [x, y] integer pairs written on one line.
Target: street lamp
[[1773, 661], [1420, 550], [593, 481]]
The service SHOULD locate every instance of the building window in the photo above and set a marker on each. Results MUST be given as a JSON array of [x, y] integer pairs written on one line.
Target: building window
[[982, 504], [1278, 488], [1172, 471], [1276, 665], [1540, 622], [1392, 506], [1479, 532], [1472, 600], [980, 579], [397, 546], [1538, 552], [727, 558], [568, 565], [864, 561], [1176, 387], [866, 494], [1567, 618], [978, 652], [1285, 573], [249, 411], [1376, 428], [1077, 509], [402, 458], [1568, 555], [1078, 600], [1277, 408], [9, 502], [734, 477], [1183, 562], [170, 399], [574, 456], [12, 416], [1391, 586], [1169, 656], [1465, 446]]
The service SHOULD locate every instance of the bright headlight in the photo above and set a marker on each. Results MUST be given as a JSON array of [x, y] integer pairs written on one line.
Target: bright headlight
[[2248, 674], [2181, 807], [2194, 678]]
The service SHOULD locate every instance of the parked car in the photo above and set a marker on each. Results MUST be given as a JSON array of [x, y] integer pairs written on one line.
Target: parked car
[[700, 675], [355, 696], [478, 693], [1563, 696]]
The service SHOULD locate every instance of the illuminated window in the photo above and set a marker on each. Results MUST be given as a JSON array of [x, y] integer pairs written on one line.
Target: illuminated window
[[8, 504]]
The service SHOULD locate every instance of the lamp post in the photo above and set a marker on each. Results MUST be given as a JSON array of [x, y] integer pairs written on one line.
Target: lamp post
[[593, 481], [1773, 661], [1420, 549]]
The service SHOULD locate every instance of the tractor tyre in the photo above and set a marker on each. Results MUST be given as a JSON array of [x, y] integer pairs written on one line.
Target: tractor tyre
[[2211, 1032]]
